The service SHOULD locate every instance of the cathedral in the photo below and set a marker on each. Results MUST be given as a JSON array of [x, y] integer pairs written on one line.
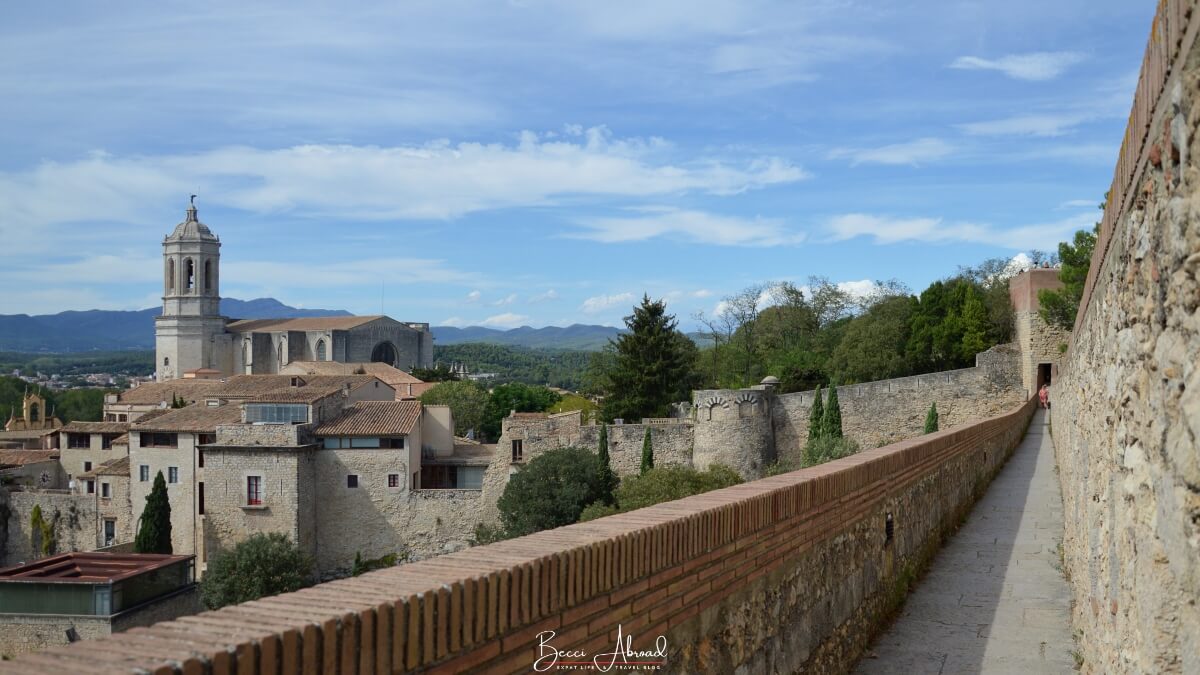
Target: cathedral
[[192, 338]]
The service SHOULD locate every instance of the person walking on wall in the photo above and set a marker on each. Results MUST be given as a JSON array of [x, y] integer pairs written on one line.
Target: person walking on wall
[[1044, 396]]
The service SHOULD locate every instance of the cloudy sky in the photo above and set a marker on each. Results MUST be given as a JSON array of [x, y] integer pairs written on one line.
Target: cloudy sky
[[536, 162]]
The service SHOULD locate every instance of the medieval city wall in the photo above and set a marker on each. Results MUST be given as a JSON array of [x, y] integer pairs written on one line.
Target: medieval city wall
[[1126, 403], [74, 518]]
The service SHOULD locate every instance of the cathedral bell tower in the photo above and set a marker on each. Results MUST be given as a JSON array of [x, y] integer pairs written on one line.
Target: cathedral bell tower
[[190, 334]]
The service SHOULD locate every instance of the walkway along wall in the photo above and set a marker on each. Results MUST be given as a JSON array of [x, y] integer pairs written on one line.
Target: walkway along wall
[[1126, 405], [786, 574]]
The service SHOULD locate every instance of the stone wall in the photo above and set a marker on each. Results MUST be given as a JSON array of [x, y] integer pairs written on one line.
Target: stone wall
[[792, 573], [672, 444], [288, 503], [1039, 342], [22, 633], [1126, 404], [888, 411], [75, 528]]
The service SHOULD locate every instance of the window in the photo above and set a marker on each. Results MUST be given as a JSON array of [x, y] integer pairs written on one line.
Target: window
[[144, 473], [122, 417], [33, 413], [106, 441], [170, 275], [91, 487], [320, 350], [87, 466], [351, 480], [470, 478], [276, 413], [394, 443], [364, 442], [172, 474], [200, 499], [166, 360], [393, 480], [151, 439], [200, 457], [78, 441], [110, 531], [254, 490], [208, 275], [518, 450], [106, 490], [189, 274]]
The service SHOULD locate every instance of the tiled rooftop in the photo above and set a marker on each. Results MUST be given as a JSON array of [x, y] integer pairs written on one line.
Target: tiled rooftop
[[374, 418]]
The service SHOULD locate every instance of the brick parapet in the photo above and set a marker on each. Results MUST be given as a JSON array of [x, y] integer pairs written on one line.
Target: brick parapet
[[652, 571]]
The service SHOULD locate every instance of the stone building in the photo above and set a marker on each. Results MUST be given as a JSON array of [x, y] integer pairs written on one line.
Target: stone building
[[1041, 344], [34, 429], [191, 335]]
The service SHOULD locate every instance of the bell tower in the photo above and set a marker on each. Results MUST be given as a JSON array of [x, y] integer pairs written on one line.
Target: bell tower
[[190, 333]]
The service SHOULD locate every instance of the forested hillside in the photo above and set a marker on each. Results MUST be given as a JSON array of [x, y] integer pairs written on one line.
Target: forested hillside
[[553, 367]]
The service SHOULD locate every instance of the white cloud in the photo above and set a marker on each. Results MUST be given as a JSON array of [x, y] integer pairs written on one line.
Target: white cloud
[[912, 153], [1034, 67], [434, 180], [548, 296], [507, 300], [701, 293], [454, 321], [887, 230], [1043, 125], [506, 320], [474, 296], [695, 226], [600, 303]]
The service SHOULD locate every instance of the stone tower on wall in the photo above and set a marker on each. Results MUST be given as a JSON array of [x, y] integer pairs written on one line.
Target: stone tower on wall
[[1038, 342], [190, 334], [733, 427]]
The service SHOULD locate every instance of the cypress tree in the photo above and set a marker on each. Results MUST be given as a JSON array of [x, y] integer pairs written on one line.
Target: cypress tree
[[647, 452], [607, 477], [154, 529], [832, 423], [816, 418], [931, 419]]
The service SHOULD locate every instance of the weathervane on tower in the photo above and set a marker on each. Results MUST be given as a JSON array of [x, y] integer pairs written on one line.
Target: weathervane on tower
[[193, 201]]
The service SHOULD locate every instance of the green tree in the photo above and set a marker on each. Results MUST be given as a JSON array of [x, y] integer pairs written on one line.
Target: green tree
[[647, 452], [154, 527], [177, 401], [872, 346], [816, 417], [439, 373], [652, 367], [831, 424], [263, 565], [974, 320], [607, 475], [826, 449], [468, 402], [518, 397], [42, 531], [1059, 307], [663, 484], [931, 419], [550, 491]]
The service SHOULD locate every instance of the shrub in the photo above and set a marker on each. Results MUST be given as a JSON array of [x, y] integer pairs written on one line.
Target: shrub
[[664, 484], [931, 419], [261, 566], [550, 491], [647, 452], [827, 449]]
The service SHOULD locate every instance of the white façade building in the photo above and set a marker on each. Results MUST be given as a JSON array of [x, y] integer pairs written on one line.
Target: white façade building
[[192, 335]]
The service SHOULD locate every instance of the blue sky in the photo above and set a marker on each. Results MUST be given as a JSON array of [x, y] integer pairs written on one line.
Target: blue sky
[[541, 163]]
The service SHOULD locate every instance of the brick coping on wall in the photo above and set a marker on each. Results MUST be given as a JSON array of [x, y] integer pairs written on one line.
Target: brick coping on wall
[[476, 606], [1171, 34]]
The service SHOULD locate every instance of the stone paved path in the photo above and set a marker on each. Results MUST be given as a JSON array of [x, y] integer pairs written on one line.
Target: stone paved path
[[993, 600]]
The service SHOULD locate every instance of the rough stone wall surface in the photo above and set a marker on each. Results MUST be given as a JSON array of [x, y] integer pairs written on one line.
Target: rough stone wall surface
[[74, 517], [672, 444], [186, 533], [879, 413], [733, 427], [227, 517], [1043, 345], [1126, 404], [22, 633]]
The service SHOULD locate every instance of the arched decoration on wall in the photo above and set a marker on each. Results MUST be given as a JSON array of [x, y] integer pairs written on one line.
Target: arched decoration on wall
[[746, 402], [320, 350], [189, 274], [171, 274], [34, 412], [711, 402], [384, 352], [208, 275]]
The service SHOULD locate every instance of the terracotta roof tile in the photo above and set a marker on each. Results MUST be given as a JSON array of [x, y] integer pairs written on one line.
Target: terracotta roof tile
[[197, 419], [303, 323], [96, 427], [23, 457], [154, 393], [374, 418], [383, 371]]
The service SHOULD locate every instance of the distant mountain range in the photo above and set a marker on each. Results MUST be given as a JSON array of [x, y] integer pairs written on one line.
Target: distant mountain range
[[99, 329], [575, 336]]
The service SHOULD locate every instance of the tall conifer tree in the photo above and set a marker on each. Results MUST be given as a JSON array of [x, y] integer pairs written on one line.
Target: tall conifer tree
[[652, 365], [607, 477], [647, 452], [833, 415], [816, 418], [154, 530]]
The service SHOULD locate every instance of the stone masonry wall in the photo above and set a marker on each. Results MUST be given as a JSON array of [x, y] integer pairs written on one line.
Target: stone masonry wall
[[792, 573], [1126, 404], [75, 529], [879, 413]]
